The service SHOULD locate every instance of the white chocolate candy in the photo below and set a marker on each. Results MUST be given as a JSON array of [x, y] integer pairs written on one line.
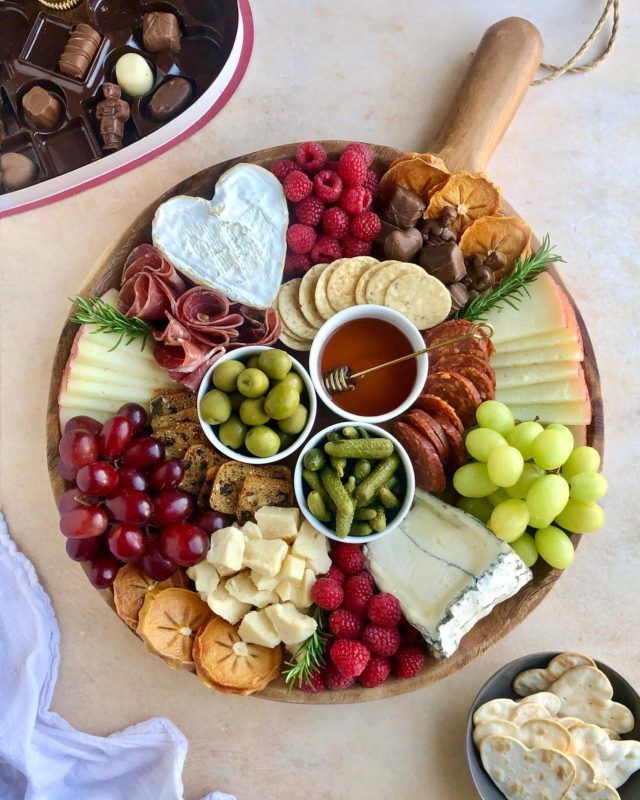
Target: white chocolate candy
[[134, 75]]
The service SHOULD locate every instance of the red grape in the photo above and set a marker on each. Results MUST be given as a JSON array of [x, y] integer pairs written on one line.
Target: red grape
[[103, 570], [131, 478], [88, 423], [167, 475], [126, 542], [211, 521], [154, 564], [73, 498], [66, 471], [115, 435], [136, 415], [184, 543], [143, 453], [99, 478], [172, 505], [129, 505], [84, 549], [78, 447], [80, 523]]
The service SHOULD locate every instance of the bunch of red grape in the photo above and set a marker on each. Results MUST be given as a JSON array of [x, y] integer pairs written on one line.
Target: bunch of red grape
[[126, 504]]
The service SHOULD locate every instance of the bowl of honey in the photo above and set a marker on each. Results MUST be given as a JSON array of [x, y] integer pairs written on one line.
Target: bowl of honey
[[362, 337]]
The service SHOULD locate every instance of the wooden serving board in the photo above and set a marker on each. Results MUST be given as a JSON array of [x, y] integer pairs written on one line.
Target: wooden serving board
[[492, 90]]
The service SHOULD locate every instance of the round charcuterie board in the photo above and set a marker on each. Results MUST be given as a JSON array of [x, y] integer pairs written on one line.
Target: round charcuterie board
[[463, 147]]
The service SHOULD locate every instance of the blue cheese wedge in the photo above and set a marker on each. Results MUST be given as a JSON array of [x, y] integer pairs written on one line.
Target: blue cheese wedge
[[447, 570]]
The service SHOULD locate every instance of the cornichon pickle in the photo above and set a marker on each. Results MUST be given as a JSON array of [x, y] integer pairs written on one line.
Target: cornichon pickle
[[370, 485], [350, 432], [360, 529], [339, 465], [343, 523], [379, 522], [388, 498], [337, 492], [313, 480], [393, 483], [364, 433], [365, 514], [360, 448], [361, 469], [314, 459], [333, 436], [350, 484], [317, 507]]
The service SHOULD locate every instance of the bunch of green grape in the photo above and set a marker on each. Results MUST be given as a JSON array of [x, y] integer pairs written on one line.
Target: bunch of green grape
[[526, 476]]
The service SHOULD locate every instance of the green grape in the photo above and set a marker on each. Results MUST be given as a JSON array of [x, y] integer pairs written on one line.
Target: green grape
[[547, 497], [525, 547], [530, 474], [497, 497], [580, 517], [481, 441], [534, 522], [556, 426], [588, 486], [554, 546], [550, 449], [583, 459], [478, 507], [505, 465], [521, 437], [495, 415], [509, 519], [472, 480]]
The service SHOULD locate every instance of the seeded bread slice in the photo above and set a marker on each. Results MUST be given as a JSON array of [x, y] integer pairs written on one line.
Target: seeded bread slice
[[204, 495], [197, 460], [162, 421], [179, 438], [256, 492], [226, 487], [170, 401]]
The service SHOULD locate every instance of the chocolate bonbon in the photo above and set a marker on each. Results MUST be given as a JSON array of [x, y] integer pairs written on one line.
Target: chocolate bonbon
[[402, 245], [170, 99], [161, 31], [443, 261], [404, 208], [43, 109], [112, 113], [79, 51]]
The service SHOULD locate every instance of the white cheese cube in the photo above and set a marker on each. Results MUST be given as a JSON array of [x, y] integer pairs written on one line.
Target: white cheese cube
[[206, 578], [227, 549], [263, 582], [284, 590], [251, 531], [256, 628], [278, 523], [291, 626], [301, 592], [311, 545], [226, 606], [265, 556], [292, 568], [244, 589]]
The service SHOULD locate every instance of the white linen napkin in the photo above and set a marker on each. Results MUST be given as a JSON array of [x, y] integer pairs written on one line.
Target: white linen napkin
[[42, 757]]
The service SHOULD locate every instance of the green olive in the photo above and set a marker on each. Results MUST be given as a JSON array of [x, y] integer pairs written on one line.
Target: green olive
[[252, 382], [281, 402], [286, 439], [276, 363], [226, 374], [253, 362], [296, 422], [293, 379], [252, 412], [215, 407], [262, 442], [232, 432], [237, 400]]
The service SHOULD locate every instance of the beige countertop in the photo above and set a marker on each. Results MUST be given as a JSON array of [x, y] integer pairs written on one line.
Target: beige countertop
[[383, 72]]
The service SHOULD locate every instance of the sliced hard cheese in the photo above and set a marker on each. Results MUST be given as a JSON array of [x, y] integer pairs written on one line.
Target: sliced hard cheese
[[557, 392], [95, 373], [574, 413], [508, 377], [547, 355], [551, 339]]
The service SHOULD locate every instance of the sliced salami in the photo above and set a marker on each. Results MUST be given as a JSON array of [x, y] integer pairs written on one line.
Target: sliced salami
[[422, 422], [457, 451], [426, 464], [474, 347], [458, 392], [433, 404], [485, 387], [451, 328], [452, 362]]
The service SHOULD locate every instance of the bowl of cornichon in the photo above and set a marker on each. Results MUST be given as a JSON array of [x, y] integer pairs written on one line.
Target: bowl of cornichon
[[354, 482]]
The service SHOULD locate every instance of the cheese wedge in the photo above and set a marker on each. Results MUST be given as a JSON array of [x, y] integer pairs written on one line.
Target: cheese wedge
[[570, 413], [508, 377], [543, 310], [557, 392], [551, 339], [547, 355]]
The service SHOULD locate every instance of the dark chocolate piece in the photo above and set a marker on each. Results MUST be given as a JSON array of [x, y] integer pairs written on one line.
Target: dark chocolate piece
[[161, 31], [170, 99], [16, 171], [459, 295], [112, 113], [495, 260], [434, 232], [443, 261], [385, 229], [79, 51], [481, 278], [402, 245], [404, 208], [42, 108]]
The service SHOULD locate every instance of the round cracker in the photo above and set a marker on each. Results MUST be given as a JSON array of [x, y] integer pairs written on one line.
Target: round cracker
[[377, 287], [341, 286], [306, 295], [289, 309], [293, 343], [419, 296], [361, 288], [324, 307]]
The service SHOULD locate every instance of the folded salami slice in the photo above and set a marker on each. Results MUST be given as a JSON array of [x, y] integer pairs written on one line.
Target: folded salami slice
[[426, 464], [150, 284], [261, 327], [433, 404], [421, 421], [458, 391], [145, 257], [205, 310], [486, 389]]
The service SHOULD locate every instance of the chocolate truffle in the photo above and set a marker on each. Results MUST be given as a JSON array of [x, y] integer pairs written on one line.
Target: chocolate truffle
[[404, 208], [134, 75], [161, 31], [16, 171], [402, 245], [459, 295], [443, 261], [170, 99], [79, 51], [43, 109]]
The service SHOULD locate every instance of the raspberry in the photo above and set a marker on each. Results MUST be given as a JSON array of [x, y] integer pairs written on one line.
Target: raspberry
[[335, 222], [357, 593], [347, 558], [295, 263], [350, 657], [381, 641], [309, 211], [327, 186], [335, 680], [369, 578], [327, 594], [370, 182], [282, 168], [316, 679], [297, 186], [301, 238], [408, 661], [365, 226], [311, 156], [332, 165], [408, 633], [352, 168], [345, 624], [363, 150], [335, 574], [355, 200], [325, 250], [376, 672], [384, 610], [355, 247]]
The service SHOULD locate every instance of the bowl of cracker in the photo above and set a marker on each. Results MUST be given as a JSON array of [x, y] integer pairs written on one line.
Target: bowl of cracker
[[555, 725]]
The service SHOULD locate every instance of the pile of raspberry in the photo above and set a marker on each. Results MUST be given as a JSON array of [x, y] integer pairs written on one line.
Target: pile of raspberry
[[370, 638], [331, 204]]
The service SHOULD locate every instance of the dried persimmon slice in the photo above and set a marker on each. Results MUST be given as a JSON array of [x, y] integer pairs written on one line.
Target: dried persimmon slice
[[471, 194], [131, 586], [509, 236], [414, 173], [435, 161]]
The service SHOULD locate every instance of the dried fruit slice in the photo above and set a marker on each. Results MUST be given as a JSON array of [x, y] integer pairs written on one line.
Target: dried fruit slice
[[168, 622], [471, 194], [416, 174], [224, 662], [509, 236], [131, 587], [435, 161]]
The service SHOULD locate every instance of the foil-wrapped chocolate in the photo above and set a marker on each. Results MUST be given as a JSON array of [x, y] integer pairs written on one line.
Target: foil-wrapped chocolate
[[402, 245], [444, 261], [161, 31], [404, 208], [43, 109], [169, 99], [79, 51]]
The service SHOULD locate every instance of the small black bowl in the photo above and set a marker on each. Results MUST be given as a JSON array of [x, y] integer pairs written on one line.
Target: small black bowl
[[499, 685]]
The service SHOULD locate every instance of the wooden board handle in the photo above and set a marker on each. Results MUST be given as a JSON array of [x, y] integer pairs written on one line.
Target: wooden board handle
[[490, 94]]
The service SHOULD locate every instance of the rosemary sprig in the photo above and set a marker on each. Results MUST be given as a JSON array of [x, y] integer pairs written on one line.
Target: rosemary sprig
[[309, 657], [95, 311], [510, 290]]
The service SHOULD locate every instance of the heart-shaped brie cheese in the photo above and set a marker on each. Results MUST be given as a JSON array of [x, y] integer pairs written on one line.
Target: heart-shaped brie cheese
[[236, 242]]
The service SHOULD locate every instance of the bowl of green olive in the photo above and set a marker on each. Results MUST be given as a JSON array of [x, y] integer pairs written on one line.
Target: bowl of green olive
[[256, 404], [354, 482]]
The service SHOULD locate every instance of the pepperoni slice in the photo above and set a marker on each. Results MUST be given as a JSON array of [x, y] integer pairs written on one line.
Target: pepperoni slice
[[485, 387], [422, 422], [426, 464], [458, 391], [457, 450], [452, 327], [447, 363], [433, 404]]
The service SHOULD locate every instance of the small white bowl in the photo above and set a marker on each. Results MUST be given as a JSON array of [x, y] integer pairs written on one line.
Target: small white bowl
[[299, 485], [244, 354], [396, 319]]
